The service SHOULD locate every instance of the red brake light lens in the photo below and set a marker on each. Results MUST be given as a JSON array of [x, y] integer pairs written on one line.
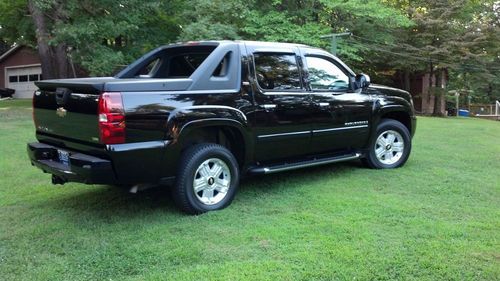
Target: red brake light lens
[[111, 118]]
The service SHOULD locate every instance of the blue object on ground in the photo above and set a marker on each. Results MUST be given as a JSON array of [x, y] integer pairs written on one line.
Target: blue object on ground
[[463, 112]]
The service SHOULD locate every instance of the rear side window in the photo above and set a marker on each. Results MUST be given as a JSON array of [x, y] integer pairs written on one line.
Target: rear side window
[[223, 66], [276, 71], [178, 62], [149, 69], [184, 65]]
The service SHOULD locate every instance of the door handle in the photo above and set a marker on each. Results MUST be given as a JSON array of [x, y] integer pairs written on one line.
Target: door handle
[[323, 104], [269, 106]]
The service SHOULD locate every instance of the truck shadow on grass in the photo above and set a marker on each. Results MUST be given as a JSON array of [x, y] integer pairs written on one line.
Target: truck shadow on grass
[[109, 203]]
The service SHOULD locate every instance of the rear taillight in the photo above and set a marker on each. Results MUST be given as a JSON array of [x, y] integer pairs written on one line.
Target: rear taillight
[[111, 118]]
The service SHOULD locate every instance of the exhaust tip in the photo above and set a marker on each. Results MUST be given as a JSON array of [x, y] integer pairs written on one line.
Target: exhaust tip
[[58, 180], [140, 187]]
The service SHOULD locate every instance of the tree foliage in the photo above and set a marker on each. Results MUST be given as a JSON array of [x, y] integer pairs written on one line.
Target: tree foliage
[[389, 36], [98, 35]]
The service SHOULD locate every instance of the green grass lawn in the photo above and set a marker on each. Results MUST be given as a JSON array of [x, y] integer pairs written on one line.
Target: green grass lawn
[[436, 218]]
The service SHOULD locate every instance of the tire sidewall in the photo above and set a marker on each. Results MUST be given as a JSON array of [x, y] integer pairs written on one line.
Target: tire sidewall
[[385, 125]]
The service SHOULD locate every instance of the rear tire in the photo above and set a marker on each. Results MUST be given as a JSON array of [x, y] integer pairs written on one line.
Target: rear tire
[[390, 147], [207, 179]]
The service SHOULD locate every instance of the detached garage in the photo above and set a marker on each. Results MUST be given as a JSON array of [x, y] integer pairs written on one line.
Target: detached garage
[[20, 68]]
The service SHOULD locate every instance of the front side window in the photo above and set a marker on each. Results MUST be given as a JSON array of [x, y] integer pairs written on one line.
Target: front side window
[[325, 75], [277, 71]]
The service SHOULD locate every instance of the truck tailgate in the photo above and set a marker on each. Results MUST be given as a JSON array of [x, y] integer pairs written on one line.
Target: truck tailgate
[[67, 109]]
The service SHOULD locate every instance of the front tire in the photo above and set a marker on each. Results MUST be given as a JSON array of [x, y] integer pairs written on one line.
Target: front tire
[[390, 147], [207, 179]]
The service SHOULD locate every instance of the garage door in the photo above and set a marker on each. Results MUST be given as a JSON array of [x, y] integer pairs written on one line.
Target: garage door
[[22, 79]]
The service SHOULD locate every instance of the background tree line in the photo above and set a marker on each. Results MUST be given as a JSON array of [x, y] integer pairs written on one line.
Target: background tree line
[[390, 37]]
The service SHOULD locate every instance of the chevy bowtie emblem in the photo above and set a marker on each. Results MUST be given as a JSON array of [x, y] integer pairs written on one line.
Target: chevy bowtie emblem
[[61, 112]]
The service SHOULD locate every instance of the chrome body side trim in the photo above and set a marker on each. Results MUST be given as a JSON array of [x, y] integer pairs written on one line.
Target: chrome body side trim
[[209, 107], [314, 131], [340, 128], [269, 106], [283, 134]]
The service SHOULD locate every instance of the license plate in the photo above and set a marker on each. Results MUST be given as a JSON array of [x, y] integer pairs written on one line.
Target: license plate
[[63, 157]]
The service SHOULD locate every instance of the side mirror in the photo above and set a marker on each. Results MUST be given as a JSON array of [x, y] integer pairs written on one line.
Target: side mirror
[[362, 81]]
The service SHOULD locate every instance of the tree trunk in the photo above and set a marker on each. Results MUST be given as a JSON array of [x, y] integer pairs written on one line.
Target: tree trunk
[[430, 91], [438, 94], [42, 39], [61, 59], [489, 93], [407, 85], [431, 75], [54, 59], [119, 41]]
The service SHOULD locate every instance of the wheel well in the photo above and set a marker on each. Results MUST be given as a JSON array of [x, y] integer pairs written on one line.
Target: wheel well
[[400, 116], [229, 137]]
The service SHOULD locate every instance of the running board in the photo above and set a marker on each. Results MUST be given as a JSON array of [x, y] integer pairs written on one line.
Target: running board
[[302, 164]]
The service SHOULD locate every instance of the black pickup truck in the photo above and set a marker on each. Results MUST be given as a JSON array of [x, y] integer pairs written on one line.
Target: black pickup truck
[[197, 116]]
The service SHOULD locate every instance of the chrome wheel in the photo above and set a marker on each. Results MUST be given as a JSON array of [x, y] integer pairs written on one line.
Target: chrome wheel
[[211, 181], [389, 147]]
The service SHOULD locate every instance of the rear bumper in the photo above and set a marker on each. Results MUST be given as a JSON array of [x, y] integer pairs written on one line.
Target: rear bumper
[[81, 167]]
